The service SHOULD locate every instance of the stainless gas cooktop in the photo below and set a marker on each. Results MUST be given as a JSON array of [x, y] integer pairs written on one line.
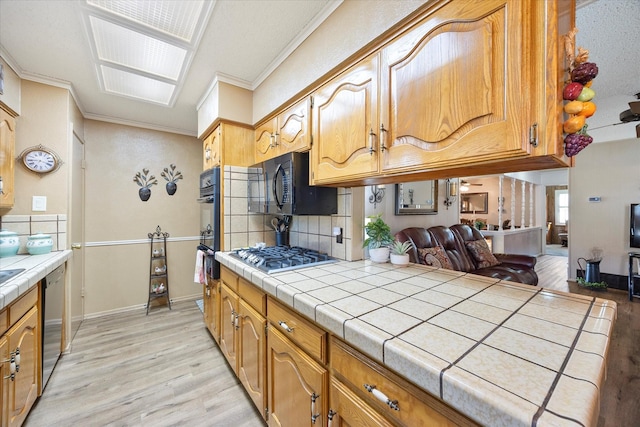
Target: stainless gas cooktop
[[274, 259]]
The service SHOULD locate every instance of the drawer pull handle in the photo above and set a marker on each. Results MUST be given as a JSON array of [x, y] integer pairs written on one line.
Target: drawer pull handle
[[393, 404], [314, 415], [285, 326]]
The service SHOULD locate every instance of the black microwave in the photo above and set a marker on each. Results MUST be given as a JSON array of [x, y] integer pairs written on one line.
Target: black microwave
[[281, 186]]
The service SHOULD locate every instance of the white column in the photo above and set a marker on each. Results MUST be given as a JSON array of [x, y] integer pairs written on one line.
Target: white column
[[524, 203], [513, 203], [531, 222], [500, 202]]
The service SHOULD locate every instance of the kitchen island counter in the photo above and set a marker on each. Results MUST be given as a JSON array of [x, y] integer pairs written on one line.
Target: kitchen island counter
[[36, 267], [499, 352]]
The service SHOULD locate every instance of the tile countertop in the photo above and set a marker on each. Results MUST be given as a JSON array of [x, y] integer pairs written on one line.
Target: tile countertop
[[36, 268], [502, 353]]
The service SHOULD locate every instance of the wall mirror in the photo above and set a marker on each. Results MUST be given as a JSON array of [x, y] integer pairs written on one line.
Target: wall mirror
[[474, 203], [417, 198]]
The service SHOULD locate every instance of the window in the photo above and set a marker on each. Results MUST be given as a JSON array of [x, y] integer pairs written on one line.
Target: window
[[562, 206]]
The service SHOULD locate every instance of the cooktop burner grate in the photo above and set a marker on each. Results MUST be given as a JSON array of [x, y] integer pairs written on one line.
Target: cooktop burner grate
[[273, 259]]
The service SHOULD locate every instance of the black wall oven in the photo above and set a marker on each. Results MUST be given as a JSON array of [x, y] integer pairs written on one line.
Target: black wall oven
[[210, 219]]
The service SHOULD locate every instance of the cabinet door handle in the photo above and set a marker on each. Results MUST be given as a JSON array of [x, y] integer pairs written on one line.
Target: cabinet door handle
[[533, 134], [236, 322], [393, 404], [285, 326], [330, 416], [233, 315], [383, 132], [372, 136], [314, 415]]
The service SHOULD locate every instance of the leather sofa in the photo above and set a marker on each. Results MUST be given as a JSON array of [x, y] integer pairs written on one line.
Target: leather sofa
[[458, 251]]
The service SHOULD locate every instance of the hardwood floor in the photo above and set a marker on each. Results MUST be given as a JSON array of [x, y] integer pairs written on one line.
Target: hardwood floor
[[130, 369], [165, 369]]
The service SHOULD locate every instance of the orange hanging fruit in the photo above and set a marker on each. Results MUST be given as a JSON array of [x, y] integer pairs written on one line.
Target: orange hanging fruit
[[574, 124], [573, 107], [588, 108]]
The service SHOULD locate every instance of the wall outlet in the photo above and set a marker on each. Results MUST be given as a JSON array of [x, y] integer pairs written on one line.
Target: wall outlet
[[39, 204]]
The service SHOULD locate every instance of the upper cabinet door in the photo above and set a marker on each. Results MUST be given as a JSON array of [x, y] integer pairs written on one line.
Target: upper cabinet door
[[345, 125], [211, 150], [451, 88], [265, 140], [7, 157], [293, 127]]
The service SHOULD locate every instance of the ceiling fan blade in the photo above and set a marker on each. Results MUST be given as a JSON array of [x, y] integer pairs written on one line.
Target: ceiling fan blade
[[635, 107]]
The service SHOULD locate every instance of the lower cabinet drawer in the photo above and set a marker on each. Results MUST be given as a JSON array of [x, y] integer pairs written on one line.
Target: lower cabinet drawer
[[347, 409], [392, 396], [309, 337], [21, 306]]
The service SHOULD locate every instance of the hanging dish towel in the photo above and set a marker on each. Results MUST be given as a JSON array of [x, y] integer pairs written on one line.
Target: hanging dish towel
[[199, 276]]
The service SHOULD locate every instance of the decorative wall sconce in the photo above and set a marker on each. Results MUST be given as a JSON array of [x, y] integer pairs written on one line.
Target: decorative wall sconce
[[145, 181], [451, 191], [171, 176], [377, 194]]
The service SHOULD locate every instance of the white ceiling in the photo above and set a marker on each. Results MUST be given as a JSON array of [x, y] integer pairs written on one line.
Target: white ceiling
[[246, 39]]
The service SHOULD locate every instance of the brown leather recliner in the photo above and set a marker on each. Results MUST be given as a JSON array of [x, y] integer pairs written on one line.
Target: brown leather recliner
[[515, 268]]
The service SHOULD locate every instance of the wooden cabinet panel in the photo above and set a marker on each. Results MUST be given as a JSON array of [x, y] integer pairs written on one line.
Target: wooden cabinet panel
[[211, 149], [23, 389], [414, 406], [254, 296], [211, 297], [297, 385], [345, 125], [348, 410], [309, 337], [228, 324], [7, 158], [252, 354], [4, 380], [266, 140], [451, 91]]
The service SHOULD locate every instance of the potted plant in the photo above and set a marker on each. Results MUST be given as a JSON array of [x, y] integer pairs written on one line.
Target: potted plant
[[378, 239], [399, 253]]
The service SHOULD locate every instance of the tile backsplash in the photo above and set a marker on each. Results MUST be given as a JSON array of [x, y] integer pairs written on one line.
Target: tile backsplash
[[242, 228], [27, 225]]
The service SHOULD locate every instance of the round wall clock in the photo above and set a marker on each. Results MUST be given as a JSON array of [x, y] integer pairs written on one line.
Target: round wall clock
[[40, 159]]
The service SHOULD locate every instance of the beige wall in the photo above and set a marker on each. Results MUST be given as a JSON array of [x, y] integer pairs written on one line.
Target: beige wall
[[117, 221], [608, 170], [43, 120], [350, 27]]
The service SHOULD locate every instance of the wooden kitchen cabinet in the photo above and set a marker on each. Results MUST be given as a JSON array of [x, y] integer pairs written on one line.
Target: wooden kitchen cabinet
[[229, 325], [466, 88], [251, 354], [345, 124], [19, 389], [7, 158], [211, 302], [228, 144], [297, 385], [211, 150], [284, 133]]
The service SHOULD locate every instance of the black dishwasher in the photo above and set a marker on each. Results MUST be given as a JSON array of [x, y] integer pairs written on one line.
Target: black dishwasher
[[53, 303]]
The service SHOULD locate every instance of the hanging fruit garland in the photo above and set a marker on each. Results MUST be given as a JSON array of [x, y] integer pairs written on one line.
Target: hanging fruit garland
[[579, 96]]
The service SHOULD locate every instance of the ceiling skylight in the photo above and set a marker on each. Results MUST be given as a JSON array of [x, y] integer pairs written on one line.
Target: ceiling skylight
[[143, 48]]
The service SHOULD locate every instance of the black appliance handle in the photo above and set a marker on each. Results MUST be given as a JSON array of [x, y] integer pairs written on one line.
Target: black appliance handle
[[208, 199], [279, 204]]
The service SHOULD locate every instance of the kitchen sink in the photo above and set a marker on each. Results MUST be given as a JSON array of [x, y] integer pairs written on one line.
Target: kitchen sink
[[8, 274]]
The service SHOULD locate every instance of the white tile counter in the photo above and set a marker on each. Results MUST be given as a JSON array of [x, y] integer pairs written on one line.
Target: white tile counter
[[36, 268], [502, 353]]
